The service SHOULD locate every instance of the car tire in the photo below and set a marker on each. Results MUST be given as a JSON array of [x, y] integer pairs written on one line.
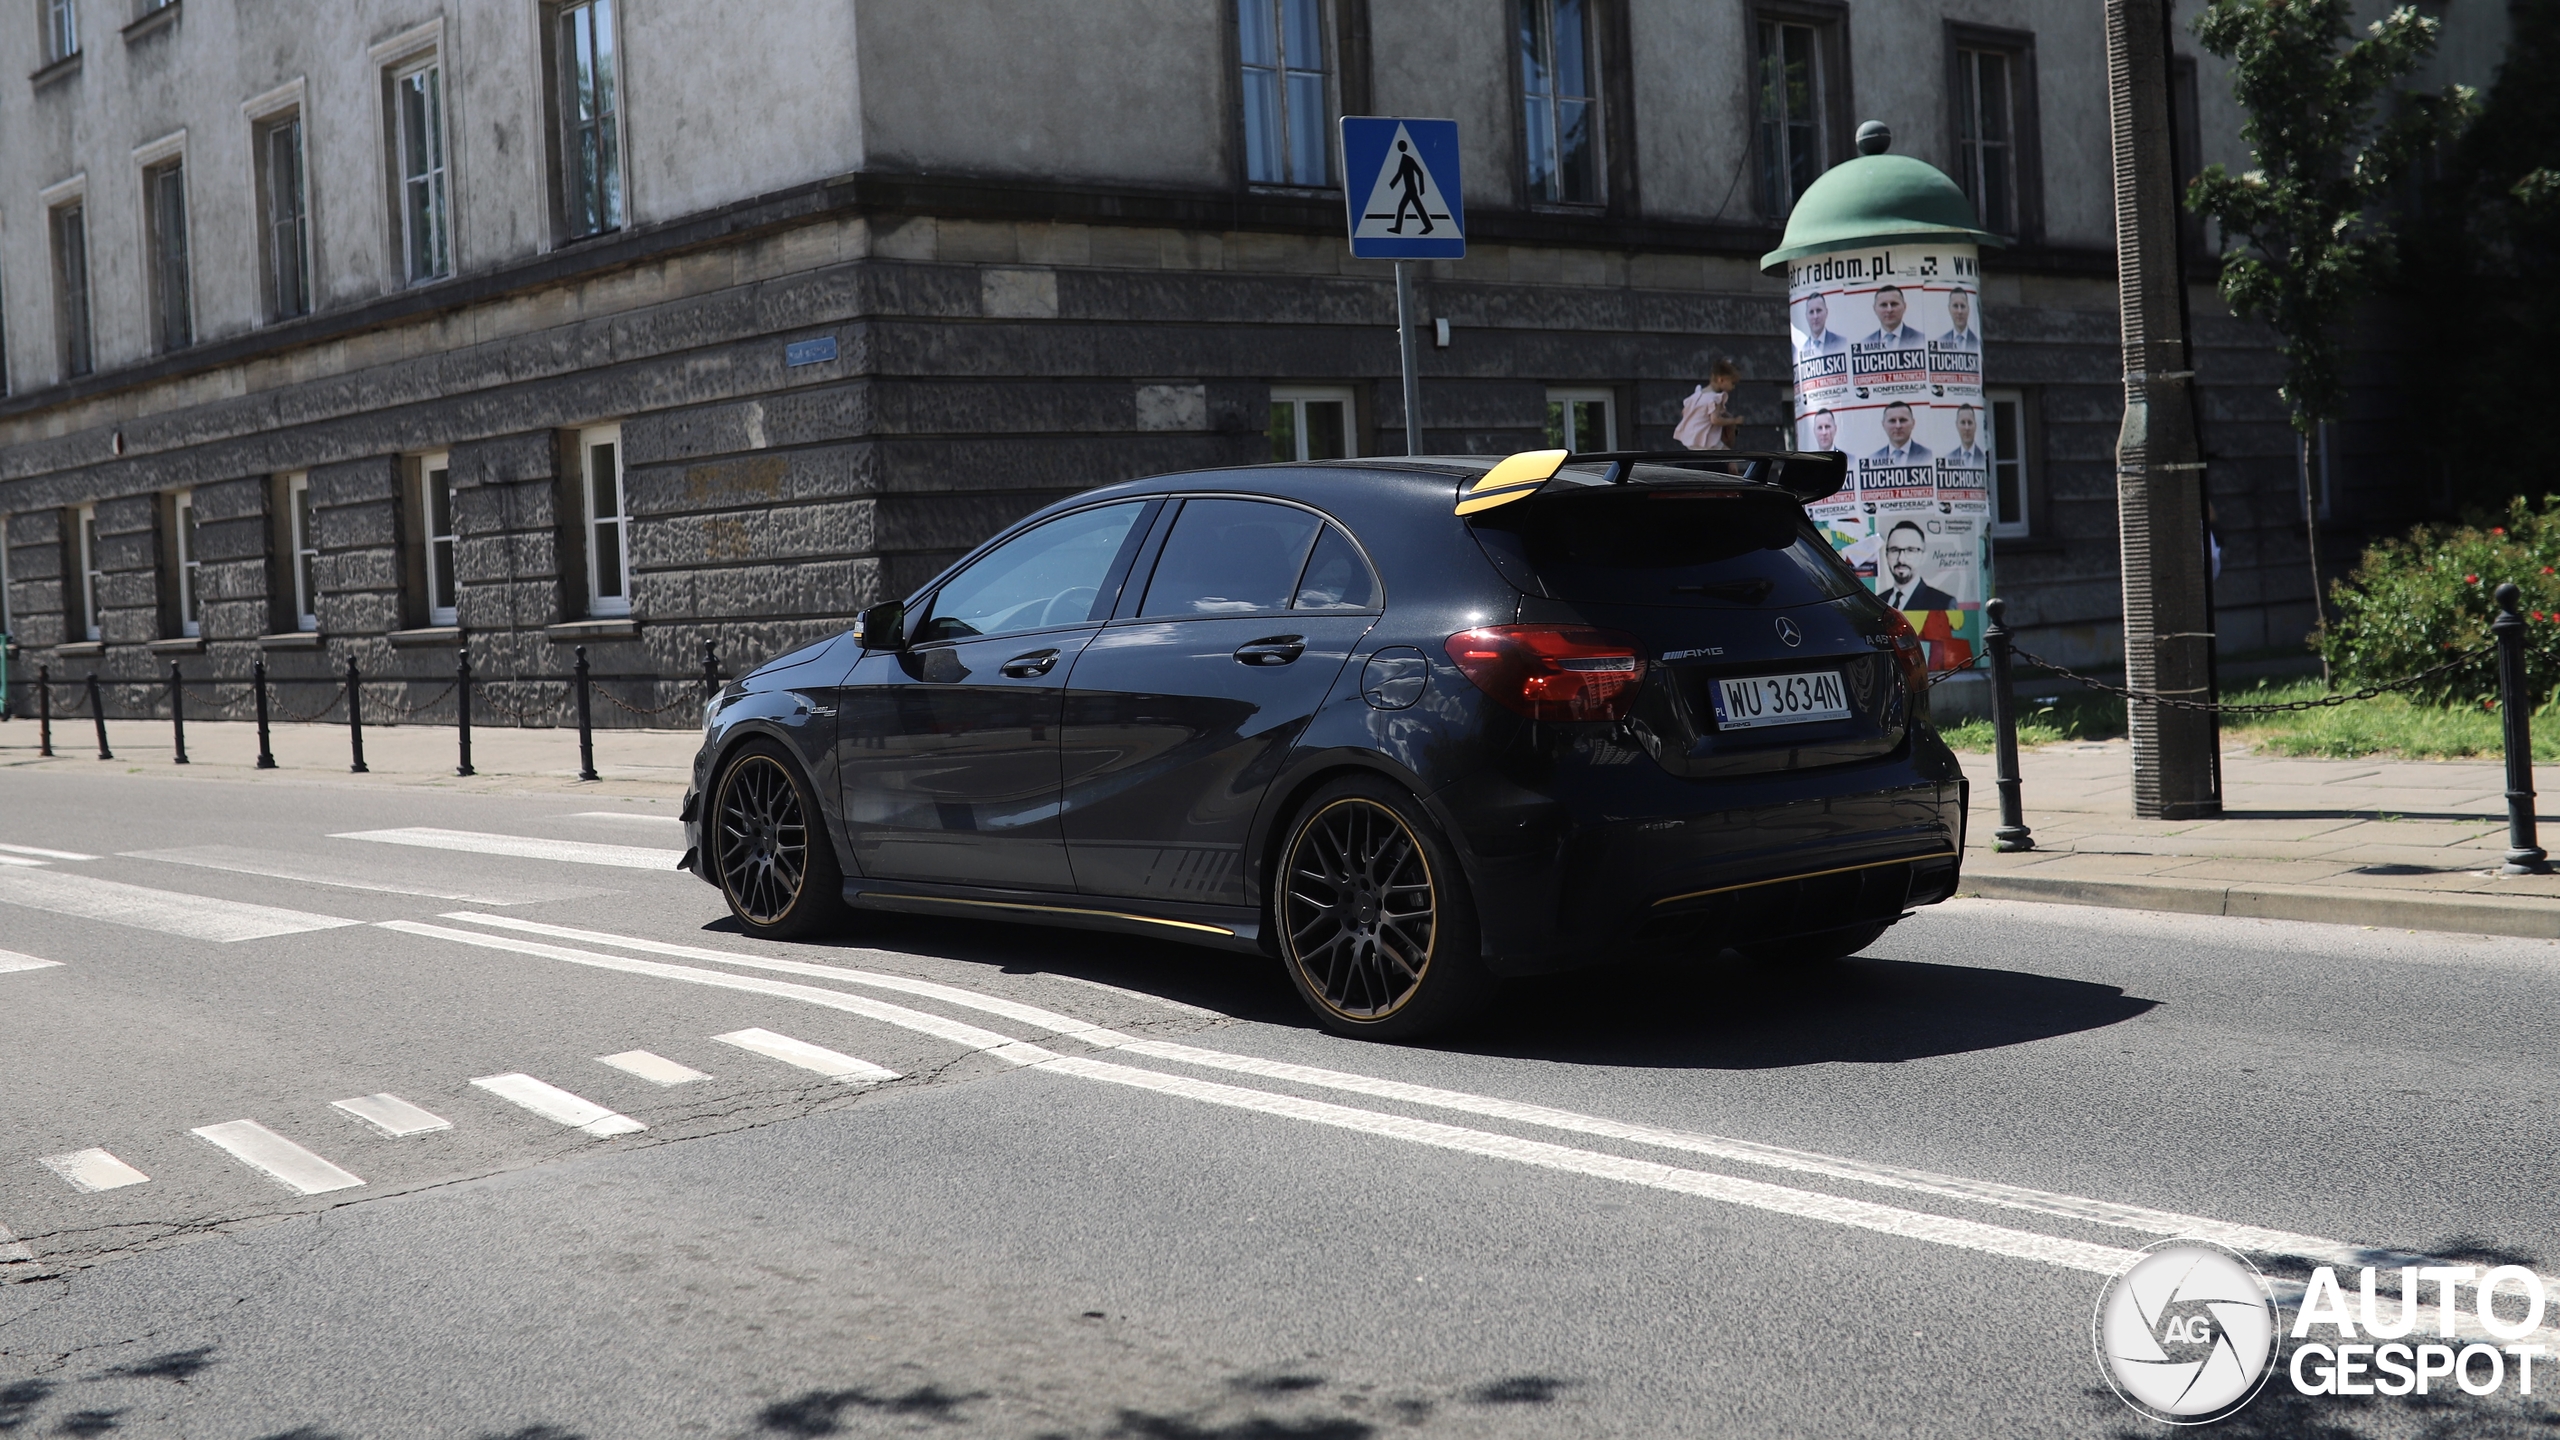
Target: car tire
[[1824, 947], [770, 852], [1372, 915]]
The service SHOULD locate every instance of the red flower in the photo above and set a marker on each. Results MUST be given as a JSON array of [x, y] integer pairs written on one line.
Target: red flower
[[2546, 569], [2470, 579], [2494, 530]]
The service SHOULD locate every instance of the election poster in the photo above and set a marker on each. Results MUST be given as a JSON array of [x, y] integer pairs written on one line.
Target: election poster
[[1888, 370]]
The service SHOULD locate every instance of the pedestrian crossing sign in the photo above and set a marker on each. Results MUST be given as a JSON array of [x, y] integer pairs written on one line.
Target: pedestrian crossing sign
[[1401, 187]]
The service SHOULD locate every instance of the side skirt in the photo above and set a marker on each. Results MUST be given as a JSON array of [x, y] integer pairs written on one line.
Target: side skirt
[[1218, 927]]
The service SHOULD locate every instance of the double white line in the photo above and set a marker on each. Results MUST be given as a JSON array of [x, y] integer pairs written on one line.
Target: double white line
[[1756, 1194]]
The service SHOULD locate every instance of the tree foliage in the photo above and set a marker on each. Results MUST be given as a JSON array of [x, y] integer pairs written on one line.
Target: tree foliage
[[2305, 233]]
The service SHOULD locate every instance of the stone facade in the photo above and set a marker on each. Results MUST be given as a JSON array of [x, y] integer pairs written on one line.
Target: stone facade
[[1018, 310]]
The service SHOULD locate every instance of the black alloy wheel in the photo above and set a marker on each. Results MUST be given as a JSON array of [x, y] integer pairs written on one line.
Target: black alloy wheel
[[776, 866], [1373, 920]]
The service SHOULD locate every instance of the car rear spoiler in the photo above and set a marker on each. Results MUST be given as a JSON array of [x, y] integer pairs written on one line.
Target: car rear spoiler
[[1806, 474]]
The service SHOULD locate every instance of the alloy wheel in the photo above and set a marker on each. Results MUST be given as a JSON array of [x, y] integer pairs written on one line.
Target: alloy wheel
[[1359, 908], [764, 839]]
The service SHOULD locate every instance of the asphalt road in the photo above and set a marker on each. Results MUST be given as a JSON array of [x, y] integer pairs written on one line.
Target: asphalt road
[[1121, 1188]]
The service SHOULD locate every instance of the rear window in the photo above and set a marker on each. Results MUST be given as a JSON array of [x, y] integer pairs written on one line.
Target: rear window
[[1711, 548]]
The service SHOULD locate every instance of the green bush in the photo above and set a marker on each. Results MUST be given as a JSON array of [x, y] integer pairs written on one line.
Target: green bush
[[2418, 601]]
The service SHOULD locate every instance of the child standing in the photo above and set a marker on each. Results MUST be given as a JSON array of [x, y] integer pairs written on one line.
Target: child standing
[[1705, 423]]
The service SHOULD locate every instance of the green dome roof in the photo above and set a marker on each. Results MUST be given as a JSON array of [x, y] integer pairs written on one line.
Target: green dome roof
[[1873, 200]]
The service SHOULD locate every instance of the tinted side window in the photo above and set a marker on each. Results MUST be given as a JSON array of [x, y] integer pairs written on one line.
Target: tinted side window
[[1230, 557], [1337, 578], [1049, 575]]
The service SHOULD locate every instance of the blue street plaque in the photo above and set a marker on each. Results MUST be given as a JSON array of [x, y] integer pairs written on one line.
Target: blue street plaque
[[809, 352], [1400, 184]]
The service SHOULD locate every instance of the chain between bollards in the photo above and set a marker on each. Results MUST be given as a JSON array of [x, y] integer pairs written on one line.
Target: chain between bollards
[[44, 711], [2013, 834], [98, 717], [462, 708], [2515, 708], [355, 717], [258, 682], [586, 722], [178, 713]]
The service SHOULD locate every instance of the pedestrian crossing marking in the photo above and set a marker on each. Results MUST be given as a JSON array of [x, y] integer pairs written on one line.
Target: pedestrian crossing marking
[[90, 1171], [392, 1115], [321, 870], [1405, 203], [522, 847], [277, 1158], [808, 1057], [11, 960], [656, 1069], [557, 1105], [41, 853], [171, 912]]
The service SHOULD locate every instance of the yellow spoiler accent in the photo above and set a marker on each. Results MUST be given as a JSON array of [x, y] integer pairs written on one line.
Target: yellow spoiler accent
[[1516, 477]]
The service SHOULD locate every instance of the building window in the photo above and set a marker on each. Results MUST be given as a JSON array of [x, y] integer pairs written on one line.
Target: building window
[[1309, 423], [590, 108], [71, 288], [608, 523], [435, 538], [1560, 90], [302, 551], [1993, 92], [1582, 421], [61, 29], [1286, 139], [183, 566], [164, 213], [285, 204], [80, 592], [1794, 95], [2011, 492], [426, 221]]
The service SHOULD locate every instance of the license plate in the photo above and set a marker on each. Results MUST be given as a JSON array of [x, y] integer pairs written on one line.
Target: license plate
[[1754, 700]]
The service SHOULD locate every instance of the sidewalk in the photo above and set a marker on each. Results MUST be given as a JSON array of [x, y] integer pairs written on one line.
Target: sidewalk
[[642, 764], [2409, 844]]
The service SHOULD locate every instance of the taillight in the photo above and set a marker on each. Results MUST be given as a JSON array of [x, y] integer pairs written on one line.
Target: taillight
[[1553, 672], [1909, 654]]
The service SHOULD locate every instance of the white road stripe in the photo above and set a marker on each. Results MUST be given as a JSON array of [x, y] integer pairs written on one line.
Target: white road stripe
[[42, 853], [21, 860], [830, 1063], [277, 1158], [314, 870], [656, 1069], [553, 1103], [12, 960], [968, 1037], [624, 815], [392, 1115], [90, 1171], [522, 847], [196, 917]]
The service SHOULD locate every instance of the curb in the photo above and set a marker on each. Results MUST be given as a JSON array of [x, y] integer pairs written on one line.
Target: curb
[[2320, 904]]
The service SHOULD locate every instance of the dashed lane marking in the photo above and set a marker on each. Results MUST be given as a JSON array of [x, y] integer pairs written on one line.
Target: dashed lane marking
[[277, 1158], [90, 1171], [196, 917], [392, 1116], [11, 960], [656, 1069], [314, 870], [624, 815], [43, 854], [522, 847], [817, 1058], [553, 1103], [27, 861]]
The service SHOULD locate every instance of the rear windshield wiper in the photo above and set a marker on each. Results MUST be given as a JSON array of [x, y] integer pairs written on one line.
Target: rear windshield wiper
[[1748, 592]]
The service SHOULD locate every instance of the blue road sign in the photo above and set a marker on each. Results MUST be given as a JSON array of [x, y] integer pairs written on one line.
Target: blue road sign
[[1400, 183]]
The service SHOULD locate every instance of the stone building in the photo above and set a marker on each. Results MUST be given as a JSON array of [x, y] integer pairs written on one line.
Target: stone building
[[368, 329]]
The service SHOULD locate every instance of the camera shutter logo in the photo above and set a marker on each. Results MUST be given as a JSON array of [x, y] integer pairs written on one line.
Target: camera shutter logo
[[2187, 1334], [1788, 632]]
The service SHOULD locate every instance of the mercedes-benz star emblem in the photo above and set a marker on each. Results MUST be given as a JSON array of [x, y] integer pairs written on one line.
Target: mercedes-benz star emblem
[[1788, 632]]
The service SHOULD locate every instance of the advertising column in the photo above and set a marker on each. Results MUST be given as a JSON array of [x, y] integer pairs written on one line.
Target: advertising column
[[1888, 369]]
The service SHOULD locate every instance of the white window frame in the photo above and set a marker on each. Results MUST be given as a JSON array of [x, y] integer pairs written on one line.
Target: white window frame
[[85, 541], [1269, 71], [436, 540], [75, 314], [186, 567], [1993, 400], [167, 252], [1299, 397], [612, 200], [283, 251], [1569, 396], [1543, 128], [301, 532], [435, 262], [61, 23], [607, 532]]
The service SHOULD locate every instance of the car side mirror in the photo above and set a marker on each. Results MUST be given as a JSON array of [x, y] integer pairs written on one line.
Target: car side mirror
[[884, 626]]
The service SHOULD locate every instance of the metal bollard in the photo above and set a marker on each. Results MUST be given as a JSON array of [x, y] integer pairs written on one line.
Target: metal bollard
[[178, 712], [44, 711], [586, 723], [2515, 708], [2013, 834], [355, 717], [98, 716], [258, 682], [462, 708]]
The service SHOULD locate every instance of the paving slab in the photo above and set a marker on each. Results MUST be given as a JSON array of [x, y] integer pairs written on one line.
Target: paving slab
[[507, 759]]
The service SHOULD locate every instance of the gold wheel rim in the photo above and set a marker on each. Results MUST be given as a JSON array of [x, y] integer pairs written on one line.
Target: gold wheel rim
[[1358, 909]]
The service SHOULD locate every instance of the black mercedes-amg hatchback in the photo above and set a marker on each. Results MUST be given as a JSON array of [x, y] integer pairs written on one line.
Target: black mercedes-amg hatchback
[[1407, 726]]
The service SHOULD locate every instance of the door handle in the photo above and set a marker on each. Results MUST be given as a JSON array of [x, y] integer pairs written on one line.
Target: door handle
[[1029, 667], [1277, 650]]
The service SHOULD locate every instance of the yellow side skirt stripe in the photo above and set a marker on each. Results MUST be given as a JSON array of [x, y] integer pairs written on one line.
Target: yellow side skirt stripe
[[1062, 910]]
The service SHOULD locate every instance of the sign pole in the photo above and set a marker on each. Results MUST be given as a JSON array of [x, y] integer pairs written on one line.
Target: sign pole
[[1406, 343]]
